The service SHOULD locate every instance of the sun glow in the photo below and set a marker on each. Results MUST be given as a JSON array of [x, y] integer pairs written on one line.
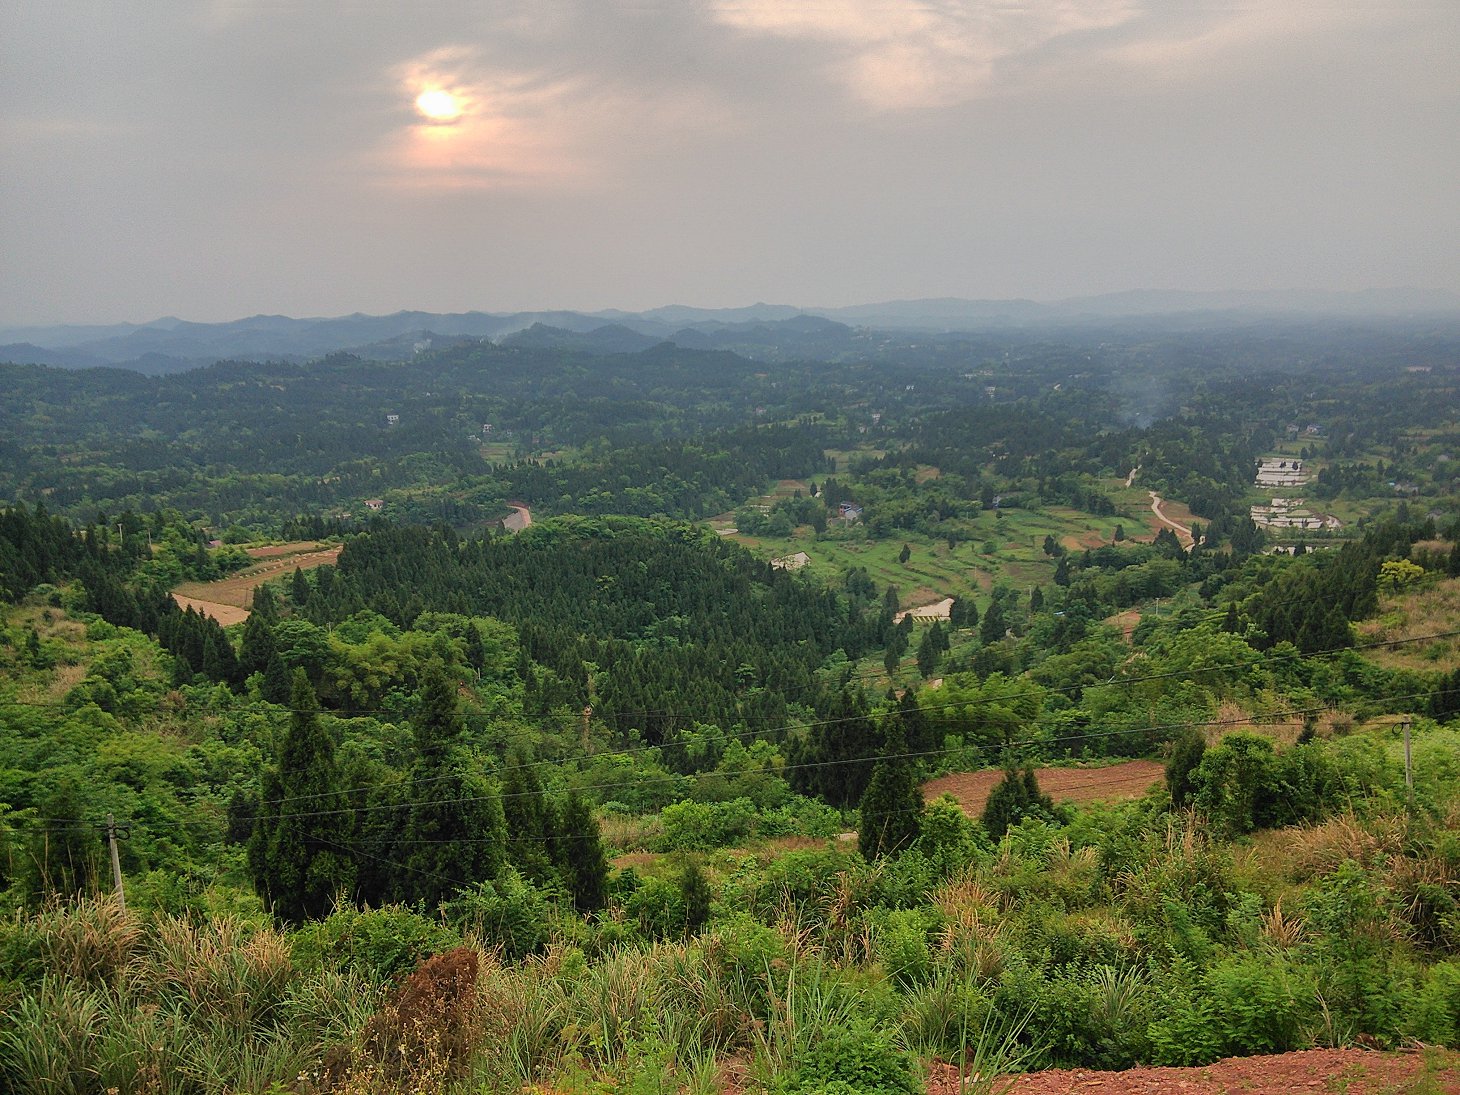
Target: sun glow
[[439, 106]]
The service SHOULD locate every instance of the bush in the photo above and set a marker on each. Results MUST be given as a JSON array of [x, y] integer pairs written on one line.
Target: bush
[[1243, 1006], [383, 944], [855, 1059], [510, 914], [702, 826], [1434, 1014], [900, 938]]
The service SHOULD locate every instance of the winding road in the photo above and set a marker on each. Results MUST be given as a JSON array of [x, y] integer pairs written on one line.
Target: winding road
[[1182, 532]]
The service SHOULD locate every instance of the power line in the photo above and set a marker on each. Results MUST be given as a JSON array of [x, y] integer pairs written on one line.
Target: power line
[[913, 755], [1029, 693]]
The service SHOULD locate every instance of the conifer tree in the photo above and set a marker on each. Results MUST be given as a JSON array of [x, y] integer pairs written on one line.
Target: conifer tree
[[694, 892], [580, 856], [529, 818], [993, 627], [1014, 798], [299, 853], [65, 857], [455, 833], [257, 646], [835, 758], [893, 802], [299, 589], [928, 653], [1181, 766]]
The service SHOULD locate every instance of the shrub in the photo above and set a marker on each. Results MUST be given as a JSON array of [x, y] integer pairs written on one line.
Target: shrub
[[510, 914], [381, 943], [702, 826], [900, 938], [1243, 1006], [855, 1059], [1434, 1013]]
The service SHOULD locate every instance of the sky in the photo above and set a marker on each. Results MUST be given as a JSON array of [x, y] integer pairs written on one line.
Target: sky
[[213, 159]]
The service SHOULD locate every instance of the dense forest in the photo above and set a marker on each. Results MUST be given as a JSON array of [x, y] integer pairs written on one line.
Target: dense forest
[[635, 799]]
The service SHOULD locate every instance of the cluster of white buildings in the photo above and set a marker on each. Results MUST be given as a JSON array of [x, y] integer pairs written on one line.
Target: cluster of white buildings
[[1287, 513]]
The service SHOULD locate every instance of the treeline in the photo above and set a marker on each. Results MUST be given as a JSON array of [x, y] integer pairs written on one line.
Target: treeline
[[678, 623]]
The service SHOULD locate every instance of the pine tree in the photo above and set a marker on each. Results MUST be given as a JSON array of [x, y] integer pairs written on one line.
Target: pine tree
[[257, 646], [927, 654], [993, 627], [65, 856], [694, 892], [580, 857], [299, 589], [1181, 766], [299, 853], [529, 818], [893, 803], [1014, 798], [456, 832], [1062, 571]]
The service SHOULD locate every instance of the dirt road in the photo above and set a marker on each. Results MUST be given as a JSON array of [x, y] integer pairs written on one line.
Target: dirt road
[[1182, 532]]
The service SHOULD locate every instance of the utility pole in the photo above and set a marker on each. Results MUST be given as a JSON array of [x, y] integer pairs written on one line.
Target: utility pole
[[1408, 767], [111, 840]]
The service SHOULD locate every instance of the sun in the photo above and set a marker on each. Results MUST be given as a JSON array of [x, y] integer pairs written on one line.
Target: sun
[[439, 106]]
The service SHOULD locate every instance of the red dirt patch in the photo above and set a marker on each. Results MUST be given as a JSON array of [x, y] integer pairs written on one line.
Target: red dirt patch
[[1079, 785], [1315, 1070], [1126, 621]]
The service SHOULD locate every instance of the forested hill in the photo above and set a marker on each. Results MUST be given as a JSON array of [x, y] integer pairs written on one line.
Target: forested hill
[[675, 621]]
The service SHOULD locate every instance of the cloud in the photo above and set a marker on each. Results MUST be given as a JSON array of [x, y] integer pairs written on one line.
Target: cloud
[[514, 128], [907, 54]]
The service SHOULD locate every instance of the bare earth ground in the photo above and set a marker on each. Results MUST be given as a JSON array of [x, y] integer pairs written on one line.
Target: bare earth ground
[[1172, 514], [227, 600], [1117, 781], [1352, 1071]]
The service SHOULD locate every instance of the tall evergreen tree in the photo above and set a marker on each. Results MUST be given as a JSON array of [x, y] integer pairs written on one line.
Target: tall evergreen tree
[[1014, 798], [993, 626], [299, 853], [892, 805], [65, 856], [835, 758], [580, 856], [456, 832], [529, 818]]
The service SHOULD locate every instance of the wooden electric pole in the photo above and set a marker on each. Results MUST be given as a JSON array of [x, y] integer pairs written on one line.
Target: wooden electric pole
[[111, 840], [1408, 768]]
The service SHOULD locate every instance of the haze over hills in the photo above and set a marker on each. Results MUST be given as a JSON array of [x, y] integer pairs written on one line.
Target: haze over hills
[[770, 331]]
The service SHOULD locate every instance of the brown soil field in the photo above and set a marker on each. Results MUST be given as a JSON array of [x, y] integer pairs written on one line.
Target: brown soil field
[[227, 600], [1351, 1071], [1126, 621], [227, 615], [1079, 785]]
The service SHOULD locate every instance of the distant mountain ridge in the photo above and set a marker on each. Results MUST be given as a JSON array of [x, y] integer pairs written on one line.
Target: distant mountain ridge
[[766, 331]]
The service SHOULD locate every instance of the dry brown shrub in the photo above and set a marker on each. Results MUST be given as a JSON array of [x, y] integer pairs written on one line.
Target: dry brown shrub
[[1282, 931], [421, 1039]]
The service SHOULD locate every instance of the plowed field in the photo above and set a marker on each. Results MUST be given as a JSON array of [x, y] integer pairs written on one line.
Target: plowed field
[[228, 599], [1118, 781]]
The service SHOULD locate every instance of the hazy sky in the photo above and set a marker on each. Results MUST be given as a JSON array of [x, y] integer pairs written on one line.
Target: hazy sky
[[214, 159]]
